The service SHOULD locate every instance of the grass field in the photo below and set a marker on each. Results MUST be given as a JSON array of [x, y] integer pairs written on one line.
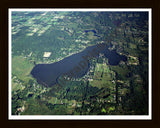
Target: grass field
[[102, 76], [21, 68], [91, 36]]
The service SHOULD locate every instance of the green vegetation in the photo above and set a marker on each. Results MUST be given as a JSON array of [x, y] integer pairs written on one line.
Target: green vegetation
[[21, 67], [102, 76], [105, 89], [91, 36]]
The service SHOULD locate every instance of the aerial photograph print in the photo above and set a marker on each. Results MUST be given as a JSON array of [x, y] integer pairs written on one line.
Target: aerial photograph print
[[79, 62]]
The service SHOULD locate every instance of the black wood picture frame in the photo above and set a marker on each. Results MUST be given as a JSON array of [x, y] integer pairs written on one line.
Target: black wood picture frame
[[6, 4]]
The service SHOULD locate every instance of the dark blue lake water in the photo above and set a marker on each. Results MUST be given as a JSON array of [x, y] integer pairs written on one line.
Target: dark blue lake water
[[73, 66]]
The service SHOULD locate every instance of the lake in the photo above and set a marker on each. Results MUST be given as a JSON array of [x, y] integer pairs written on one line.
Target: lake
[[75, 65]]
